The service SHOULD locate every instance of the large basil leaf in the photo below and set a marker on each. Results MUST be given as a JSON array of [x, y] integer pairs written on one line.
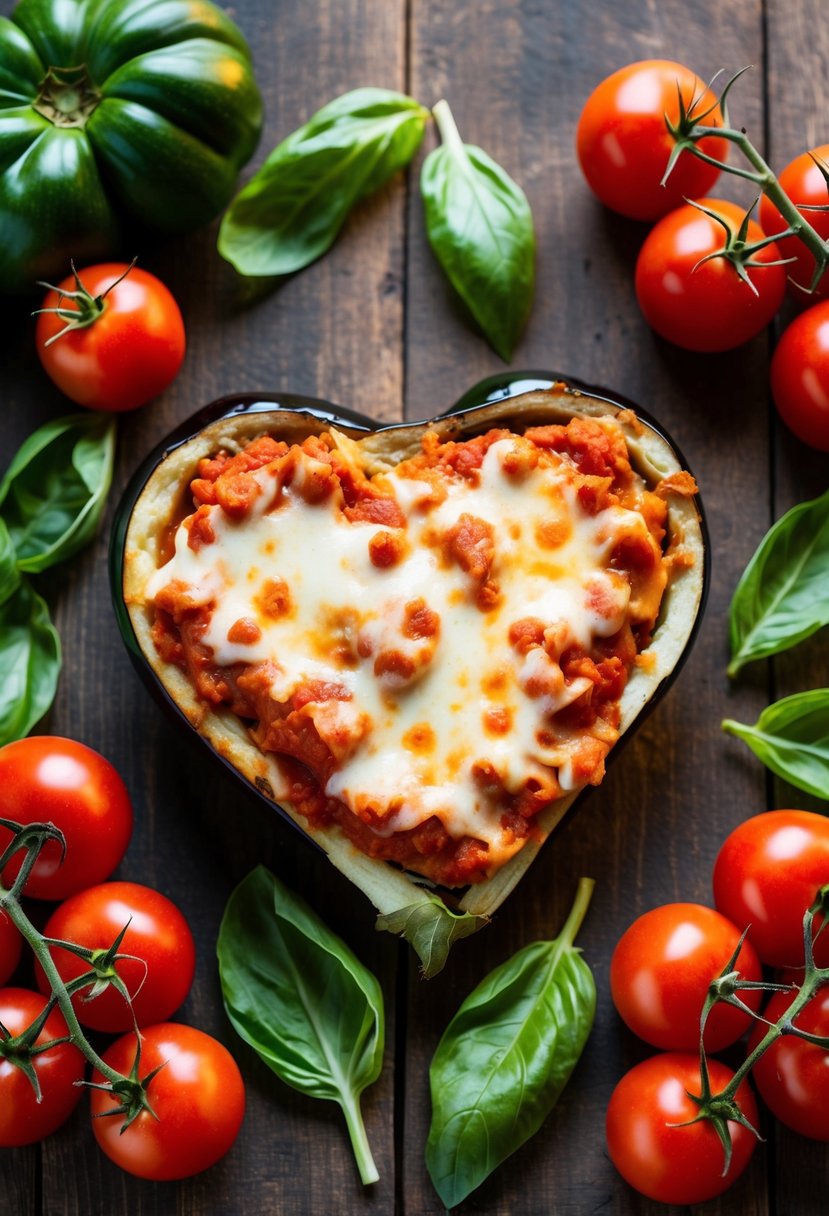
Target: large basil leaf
[[480, 227], [506, 1056], [782, 596], [54, 491], [296, 993], [431, 929], [791, 737], [29, 662], [9, 573], [289, 214]]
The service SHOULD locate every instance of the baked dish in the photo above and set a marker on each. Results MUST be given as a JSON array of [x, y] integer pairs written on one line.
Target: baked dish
[[423, 641]]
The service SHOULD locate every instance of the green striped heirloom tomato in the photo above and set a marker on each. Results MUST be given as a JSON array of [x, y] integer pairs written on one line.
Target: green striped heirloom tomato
[[115, 113]]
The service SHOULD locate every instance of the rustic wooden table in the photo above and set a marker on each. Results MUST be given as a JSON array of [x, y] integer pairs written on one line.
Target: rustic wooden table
[[373, 325]]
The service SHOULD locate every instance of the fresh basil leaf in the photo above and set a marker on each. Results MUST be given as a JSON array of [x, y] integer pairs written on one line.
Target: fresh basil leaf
[[9, 573], [54, 491], [289, 214], [431, 929], [791, 737], [782, 596], [296, 993], [480, 227], [29, 662], [506, 1056]]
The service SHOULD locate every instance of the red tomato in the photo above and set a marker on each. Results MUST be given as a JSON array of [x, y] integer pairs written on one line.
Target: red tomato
[[128, 353], [11, 946], [661, 969], [803, 181], [800, 376], [158, 936], [23, 1119], [681, 1165], [624, 146], [767, 874], [793, 1075], [705, 306], [198, 1097], [53, 780]]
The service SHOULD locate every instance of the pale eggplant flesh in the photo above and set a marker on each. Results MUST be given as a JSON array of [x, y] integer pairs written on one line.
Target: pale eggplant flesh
[[431, 919]]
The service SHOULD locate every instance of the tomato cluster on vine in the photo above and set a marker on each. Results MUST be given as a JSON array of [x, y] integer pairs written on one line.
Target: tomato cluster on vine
[[115, 957], [652, 140]]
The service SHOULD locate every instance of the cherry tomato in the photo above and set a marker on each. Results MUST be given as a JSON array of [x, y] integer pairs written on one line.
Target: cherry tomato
[[11, 946], [198, 1098], [803, 181], [661, 969], [767, 874], [53, 780], [23, 1119], [671, 1164], [800, 376], [624, 146], [130, 350], [698, 305], [160, 975], [793, 1075]]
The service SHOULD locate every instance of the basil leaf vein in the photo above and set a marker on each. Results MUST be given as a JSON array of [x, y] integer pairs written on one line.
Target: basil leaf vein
[[30, 660], [791, 737], [297, 994], [781, 598], [9, 573]]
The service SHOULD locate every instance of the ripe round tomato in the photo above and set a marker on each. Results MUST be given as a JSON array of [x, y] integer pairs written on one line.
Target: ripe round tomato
[[800, 376], [705, 306], [793, 1075], [198, 1097], [23, 1119], [681, 1165], [52, 780], [624, 146], [661, 969], [803, 181], [158, 936], [11, 946], [767, 874], [132, 347]]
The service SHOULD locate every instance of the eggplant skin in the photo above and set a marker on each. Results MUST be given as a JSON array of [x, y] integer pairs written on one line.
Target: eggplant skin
[[394, 893]]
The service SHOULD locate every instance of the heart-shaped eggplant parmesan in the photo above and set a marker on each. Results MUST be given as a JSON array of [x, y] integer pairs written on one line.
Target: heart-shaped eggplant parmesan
[[421, 641]]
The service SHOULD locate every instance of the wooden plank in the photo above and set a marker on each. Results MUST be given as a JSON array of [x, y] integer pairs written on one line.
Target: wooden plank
[[516, 81]]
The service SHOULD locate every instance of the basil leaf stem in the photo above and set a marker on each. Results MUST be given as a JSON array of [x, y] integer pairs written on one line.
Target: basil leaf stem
[[782, 596], [506, 1056], [480, 227], [297, 994], [791, 737], [30, 660], [291, 211]]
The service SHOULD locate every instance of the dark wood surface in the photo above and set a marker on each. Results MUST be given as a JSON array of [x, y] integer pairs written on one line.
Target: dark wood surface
[[374, 326]]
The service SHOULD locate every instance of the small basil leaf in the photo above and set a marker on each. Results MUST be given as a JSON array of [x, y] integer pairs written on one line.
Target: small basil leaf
[[781, 598], [289, 214], [506, 1056], [29, 662], [54, 491], [296, 993], [9, 573], [431, 929], [480, 227], [791, 737]]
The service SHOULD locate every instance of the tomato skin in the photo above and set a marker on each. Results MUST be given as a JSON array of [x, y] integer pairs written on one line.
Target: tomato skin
[[24, 1120], [11, 947], [705, 307], [803, 181], [624, 146], [128, 355], [661, 969], [198, 1096], [800, 376], [681, 1165], [158, 934], [792, 1075], [767, 874], [49, 779]]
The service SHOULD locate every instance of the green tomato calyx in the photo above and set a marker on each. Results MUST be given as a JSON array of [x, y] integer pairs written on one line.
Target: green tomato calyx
[[85, 309], [67, 96]]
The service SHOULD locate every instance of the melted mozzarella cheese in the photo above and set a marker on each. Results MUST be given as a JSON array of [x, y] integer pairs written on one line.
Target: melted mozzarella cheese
[[426, 733]]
